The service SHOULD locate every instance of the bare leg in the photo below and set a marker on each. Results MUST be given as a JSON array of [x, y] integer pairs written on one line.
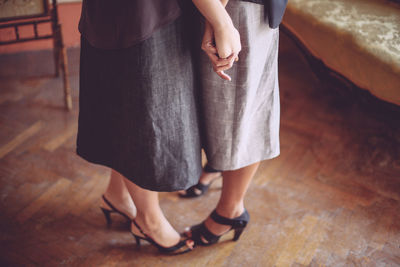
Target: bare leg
[[208, 177], [231, 202], [150, 216], [118, 195]]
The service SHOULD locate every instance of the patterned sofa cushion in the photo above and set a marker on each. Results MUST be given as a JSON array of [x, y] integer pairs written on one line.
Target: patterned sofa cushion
[[358, 38]]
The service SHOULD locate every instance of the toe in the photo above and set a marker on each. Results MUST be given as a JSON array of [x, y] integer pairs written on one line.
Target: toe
[[190, 244]]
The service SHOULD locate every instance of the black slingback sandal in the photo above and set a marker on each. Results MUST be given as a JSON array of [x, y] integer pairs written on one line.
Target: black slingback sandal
[[111, 209], [199, 189], [183, 246], [202, 236]]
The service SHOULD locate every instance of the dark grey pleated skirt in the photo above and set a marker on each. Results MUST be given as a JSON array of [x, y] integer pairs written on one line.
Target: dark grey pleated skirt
[[137, 111]]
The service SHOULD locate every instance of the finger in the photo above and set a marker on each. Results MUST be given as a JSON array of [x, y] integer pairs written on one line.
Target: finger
[[223, 68], [222, 62], [223, 75], [224, 54], [234, 57], [230, 57], [213, 58], [209, 47], [217, 62]]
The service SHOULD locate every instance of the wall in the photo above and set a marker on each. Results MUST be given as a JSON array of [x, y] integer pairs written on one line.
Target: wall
[[69, 14]]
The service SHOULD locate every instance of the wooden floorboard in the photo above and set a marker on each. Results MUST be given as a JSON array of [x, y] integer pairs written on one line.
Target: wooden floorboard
[[332, 198]]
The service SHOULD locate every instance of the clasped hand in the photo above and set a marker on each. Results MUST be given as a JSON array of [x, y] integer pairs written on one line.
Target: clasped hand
[[222, 46]]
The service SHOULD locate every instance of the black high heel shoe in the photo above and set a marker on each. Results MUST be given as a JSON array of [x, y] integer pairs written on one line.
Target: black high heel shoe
[[181, 247], [111, 209], [196, 190], [199, 189], [202, 236]]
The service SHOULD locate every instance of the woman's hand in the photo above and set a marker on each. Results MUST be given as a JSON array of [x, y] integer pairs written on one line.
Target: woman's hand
[[227, 41], [229, 47]]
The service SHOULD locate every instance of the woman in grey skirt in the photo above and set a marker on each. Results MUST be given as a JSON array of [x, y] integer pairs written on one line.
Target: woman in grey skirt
[[137, 107], [240, 114]]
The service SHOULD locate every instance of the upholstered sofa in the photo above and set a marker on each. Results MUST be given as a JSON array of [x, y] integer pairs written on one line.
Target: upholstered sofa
[[359, 39]]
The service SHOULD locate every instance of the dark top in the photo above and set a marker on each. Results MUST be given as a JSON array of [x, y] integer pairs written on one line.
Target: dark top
[[274, 10], [117, 24]]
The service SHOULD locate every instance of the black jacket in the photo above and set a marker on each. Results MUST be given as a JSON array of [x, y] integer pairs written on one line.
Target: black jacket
[[274, 10]]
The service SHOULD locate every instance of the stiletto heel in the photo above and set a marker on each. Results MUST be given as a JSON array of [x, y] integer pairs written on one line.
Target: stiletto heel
[[179, 248], [202, 236], [111, 209], [238, 232], [137, 238]]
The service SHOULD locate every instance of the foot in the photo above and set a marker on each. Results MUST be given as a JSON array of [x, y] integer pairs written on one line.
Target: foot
[[215, 226], [206, 179], [157, 228], [220, 229], [123, 203]]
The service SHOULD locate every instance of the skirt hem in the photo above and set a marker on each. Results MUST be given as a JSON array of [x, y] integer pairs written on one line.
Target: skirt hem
[[250, 162], [138, 182]]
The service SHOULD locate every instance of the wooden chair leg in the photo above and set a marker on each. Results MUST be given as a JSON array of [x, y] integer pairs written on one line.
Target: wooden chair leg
[[67, 88], [63, 63], [56, 55]]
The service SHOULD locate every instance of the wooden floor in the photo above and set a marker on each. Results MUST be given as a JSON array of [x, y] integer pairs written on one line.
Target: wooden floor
[[332, 198]]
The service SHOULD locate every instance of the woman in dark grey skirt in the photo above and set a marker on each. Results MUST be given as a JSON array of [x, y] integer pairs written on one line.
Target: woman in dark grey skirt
[[137, 108]]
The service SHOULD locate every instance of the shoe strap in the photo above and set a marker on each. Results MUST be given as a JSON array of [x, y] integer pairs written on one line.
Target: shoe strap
[[202, 187], [238, 222], [140, 229], [172, 249], [109, 203], [163, 249], [207, 234], [114, 208], [200, 231], [209, 169], [190, 192]]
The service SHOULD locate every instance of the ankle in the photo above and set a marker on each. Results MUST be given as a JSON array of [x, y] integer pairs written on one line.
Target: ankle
[[157, 227], [208, 177], [230, 210], [119, 198], [151, 221]]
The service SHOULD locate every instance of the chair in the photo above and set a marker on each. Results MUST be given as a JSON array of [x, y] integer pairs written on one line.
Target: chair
[[16, 13]]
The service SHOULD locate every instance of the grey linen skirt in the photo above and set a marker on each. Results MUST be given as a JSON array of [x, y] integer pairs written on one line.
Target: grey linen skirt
[[137, 110], [241, 117]]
